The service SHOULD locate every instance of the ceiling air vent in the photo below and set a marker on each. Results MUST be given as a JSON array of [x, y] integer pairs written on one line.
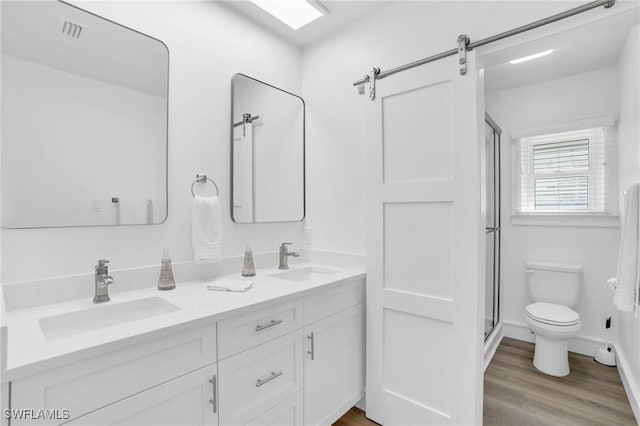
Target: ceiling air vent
[[69, 28]]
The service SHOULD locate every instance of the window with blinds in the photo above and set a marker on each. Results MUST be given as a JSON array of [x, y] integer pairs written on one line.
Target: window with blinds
[[569, 172]]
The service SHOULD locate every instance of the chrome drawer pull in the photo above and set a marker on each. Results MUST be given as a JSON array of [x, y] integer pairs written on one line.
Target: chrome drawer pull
[[312, 352], [274, 374], [265, 326], [214, 385]]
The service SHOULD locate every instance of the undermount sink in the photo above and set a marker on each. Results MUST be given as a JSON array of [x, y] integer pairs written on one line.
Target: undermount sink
[[102, 316], [304, 274]]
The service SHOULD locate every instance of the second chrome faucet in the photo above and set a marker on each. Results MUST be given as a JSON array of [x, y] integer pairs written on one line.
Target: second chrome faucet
[[284, 256]]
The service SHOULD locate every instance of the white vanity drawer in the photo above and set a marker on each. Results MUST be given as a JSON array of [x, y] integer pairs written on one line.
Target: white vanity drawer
[[257, 380], [287, 413], [184, 401], [247, 330], [328, 302], [90, 384]]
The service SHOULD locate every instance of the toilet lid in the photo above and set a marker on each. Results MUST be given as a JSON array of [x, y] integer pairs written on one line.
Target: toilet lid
[[553, 314]]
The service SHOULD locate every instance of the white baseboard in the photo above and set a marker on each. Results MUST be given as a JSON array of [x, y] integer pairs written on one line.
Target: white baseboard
[[348, 404], [362, 404], [629, 383], [579, 344], [491, 345]]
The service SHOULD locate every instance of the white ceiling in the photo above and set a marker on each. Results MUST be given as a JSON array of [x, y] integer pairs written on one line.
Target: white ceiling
[[341, 12], [586, 48], [31, 30]]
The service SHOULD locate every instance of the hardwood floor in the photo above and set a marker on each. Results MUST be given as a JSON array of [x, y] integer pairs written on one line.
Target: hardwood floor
[[515, 393], [354, 417]]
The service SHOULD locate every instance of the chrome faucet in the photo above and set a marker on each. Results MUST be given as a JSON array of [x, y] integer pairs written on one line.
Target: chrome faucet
[[102, 282], [284, 256]]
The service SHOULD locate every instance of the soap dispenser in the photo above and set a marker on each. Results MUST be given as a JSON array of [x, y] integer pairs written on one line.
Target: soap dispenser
[[166, 280], [248, 268]]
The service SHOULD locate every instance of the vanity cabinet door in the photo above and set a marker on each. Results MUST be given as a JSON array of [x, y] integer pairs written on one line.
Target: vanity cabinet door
[[188, 400], [333, 366]]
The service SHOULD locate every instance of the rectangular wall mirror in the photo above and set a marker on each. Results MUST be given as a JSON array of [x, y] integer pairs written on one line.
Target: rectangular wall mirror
[[267, 153], [84, 119]]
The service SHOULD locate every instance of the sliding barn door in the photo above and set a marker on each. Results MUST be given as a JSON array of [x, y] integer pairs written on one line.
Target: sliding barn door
[[425, 272]]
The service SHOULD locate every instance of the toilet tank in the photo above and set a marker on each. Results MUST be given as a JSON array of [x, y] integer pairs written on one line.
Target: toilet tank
[[554, 282]]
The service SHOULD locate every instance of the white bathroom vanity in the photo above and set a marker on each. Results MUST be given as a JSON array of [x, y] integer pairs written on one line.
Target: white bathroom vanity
[[270, 355]]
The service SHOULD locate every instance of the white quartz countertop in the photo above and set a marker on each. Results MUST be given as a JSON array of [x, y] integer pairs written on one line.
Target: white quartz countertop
[[29, 351]]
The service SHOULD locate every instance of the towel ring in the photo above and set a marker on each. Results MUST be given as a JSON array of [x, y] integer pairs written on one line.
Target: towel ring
[[203, 179]]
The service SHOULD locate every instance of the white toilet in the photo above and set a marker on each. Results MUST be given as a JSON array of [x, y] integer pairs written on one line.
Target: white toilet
[[554, 291]]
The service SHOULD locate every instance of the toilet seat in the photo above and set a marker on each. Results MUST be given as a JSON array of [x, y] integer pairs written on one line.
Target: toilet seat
[[552, 314]]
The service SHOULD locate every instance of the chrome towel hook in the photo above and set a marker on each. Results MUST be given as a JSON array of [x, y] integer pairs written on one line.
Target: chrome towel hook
[[203, 179]]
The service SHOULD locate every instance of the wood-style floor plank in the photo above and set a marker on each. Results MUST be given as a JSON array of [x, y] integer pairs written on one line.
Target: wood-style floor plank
[[354, 417], [516, 393]]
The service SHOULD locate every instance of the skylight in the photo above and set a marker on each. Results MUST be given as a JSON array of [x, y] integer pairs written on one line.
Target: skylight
[[530, 57], [294, 13]]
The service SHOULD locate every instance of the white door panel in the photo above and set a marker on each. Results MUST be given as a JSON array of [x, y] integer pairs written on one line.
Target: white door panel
[[425, 247], [405, 158]]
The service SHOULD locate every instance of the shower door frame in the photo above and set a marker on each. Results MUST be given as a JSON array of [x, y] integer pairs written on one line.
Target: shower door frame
[[497, 229]]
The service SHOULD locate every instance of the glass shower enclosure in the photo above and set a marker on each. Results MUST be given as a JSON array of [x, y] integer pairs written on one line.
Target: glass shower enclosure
[[492, 287]]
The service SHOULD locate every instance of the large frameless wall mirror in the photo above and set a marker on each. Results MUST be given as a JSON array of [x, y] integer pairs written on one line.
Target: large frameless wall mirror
[[84, 119], [267, 153]]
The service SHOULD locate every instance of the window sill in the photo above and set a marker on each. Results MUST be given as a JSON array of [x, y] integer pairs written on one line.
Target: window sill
[[586, 220]]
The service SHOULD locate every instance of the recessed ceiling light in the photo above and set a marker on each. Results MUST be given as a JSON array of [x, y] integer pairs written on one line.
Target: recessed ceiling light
[[294, 13], [530, 57]]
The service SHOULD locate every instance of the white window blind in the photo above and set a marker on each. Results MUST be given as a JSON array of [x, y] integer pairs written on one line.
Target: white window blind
[[567, 173]]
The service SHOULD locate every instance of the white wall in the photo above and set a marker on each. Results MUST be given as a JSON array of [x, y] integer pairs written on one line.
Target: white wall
[[94, 141], [208, 43], [629, 126], [556, 102], [399, 33], [628, 327], [403, 32]]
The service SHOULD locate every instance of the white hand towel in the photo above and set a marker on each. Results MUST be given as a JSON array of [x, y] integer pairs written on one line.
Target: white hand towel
[[225, 284], [628, 273], [206, 229]]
